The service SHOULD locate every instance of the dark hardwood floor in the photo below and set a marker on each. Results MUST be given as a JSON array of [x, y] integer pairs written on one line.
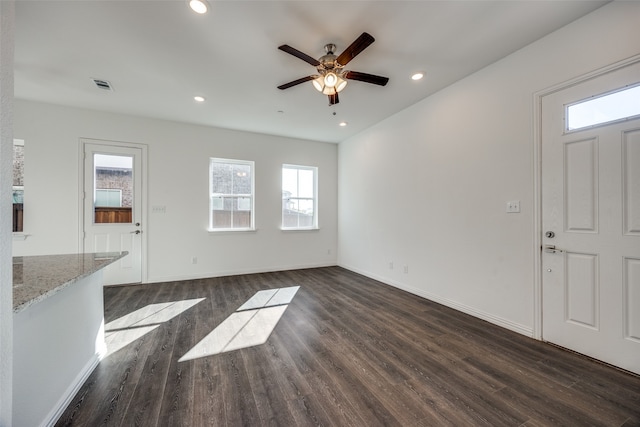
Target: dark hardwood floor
[[348, 351]]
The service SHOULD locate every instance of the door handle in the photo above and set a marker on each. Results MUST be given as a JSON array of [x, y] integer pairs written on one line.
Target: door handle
[[551, 249], [136, 232]]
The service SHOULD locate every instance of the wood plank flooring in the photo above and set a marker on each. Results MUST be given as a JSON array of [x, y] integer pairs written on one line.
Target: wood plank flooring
[[348, 351]]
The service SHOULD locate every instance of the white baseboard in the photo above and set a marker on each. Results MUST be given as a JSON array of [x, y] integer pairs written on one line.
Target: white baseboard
[[496, 320], [222, 273], [64, 401]]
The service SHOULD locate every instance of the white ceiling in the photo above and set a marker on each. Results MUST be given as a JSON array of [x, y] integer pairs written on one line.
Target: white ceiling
[[159, 54]]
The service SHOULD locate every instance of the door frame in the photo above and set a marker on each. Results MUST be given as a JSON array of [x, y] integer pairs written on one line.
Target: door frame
[[538, 332], [143, 204]]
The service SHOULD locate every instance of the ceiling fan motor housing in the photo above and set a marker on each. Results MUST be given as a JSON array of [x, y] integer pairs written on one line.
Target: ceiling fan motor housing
[[328, 61]]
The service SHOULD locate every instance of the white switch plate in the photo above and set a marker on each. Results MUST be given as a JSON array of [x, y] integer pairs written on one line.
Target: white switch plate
[[159, 209], [513, 206]]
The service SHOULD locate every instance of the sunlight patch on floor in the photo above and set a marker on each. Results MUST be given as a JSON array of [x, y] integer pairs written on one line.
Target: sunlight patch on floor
[[250, 325], [270, 298], [123, 331]]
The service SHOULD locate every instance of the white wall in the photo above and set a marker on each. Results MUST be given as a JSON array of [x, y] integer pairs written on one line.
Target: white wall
[[427, 187], [6, 153], [178, 179]]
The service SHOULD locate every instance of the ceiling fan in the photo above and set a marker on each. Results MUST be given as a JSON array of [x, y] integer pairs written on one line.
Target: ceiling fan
[[332, 77]]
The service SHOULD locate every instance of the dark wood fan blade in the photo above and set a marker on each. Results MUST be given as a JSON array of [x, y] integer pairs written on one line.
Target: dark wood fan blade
[[333, 99], [295, 52], [367, 78], [296, 82], [360, 44]]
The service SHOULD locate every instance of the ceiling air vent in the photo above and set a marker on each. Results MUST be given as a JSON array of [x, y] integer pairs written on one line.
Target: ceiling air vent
[[102, 84]]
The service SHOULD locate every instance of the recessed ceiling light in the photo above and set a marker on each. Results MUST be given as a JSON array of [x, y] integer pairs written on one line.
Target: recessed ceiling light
[[343, 124], [198, 6], [417, 76], [199, 98]]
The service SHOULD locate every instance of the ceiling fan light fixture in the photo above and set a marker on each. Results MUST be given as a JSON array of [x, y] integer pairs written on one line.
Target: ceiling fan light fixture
[[318, 83], [199, 6], [342, 83], [330, 79], [329, 90]]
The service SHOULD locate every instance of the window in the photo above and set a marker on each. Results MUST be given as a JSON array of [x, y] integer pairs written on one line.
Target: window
[[231, 195], [610, 107], [113, 181], [299, 197], [18, 185]]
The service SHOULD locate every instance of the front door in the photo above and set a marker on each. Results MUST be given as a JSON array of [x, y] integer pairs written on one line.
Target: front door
[[112, 215], [591, 222]]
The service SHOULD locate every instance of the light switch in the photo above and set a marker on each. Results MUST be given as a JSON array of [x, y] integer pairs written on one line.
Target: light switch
[[159, 209], [513, 206]]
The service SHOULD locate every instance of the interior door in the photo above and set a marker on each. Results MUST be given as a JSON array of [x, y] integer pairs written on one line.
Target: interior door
[[113, 207], [591, 227]]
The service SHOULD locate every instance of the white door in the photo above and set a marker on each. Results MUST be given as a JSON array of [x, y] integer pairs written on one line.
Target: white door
[[112, 215], [591, 215]]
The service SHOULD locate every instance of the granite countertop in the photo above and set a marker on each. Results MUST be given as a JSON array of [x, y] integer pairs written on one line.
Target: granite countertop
[[37, 277]]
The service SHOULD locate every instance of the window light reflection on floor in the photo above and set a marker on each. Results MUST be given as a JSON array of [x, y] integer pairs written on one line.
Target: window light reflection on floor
[[126, 329], [250, 325]]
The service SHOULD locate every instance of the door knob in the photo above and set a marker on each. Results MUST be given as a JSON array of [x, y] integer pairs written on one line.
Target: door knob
[[550, 234], [551, 249]]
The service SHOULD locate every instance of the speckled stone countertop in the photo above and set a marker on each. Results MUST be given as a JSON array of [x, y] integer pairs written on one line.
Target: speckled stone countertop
[[37, 277]]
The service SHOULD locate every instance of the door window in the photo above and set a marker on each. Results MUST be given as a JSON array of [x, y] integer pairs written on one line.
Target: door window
[[113, 184], [610, 107]]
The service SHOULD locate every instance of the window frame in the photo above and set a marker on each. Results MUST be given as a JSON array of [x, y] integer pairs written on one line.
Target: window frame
[[567, 107], [237, 197], [314, 199]]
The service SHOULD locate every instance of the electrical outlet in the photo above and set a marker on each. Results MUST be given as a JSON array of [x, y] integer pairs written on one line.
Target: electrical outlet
[[194, 260], [390, 265], [513, 206], [405, 269]]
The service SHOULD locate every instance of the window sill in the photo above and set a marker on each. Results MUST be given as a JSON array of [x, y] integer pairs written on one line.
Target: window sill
[[300, 229], [20, 236], [231, 230]]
